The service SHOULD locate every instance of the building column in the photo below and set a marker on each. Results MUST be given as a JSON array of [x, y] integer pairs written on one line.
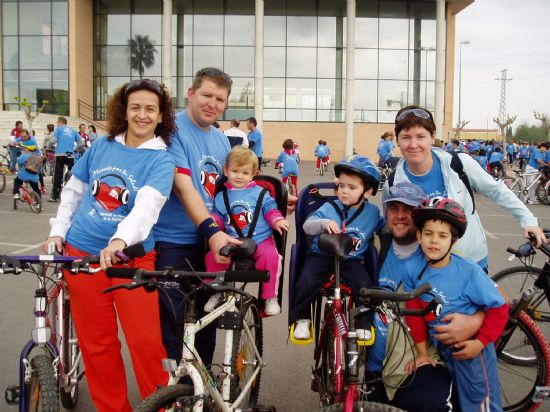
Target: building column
[[167, 43], [350, 75], [259, 63], [440, 43]]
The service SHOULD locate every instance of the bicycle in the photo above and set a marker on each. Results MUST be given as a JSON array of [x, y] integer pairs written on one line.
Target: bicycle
[[520, 188], [50, 363], [323, 166], [335, 374], [236, 386], [30, 197], [291, 187]]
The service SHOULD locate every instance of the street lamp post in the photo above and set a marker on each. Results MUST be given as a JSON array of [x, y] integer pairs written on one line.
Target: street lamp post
[[460, 83]]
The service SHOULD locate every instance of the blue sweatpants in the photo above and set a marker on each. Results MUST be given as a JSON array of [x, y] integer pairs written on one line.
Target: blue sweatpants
[[476, 380], [172, 302]]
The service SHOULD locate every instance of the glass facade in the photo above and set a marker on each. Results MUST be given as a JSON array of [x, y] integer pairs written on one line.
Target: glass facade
[[35, 54]]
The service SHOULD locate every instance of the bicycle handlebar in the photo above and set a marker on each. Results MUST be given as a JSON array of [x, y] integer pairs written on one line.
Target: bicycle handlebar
[[220, 277], [528, 249], [367, 295]]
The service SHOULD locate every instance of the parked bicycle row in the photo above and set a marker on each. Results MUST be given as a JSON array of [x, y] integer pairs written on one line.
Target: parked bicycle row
[[124, 191]]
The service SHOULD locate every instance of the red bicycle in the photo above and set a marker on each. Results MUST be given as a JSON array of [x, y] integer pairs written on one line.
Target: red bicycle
[[30, 197], [336, 372]]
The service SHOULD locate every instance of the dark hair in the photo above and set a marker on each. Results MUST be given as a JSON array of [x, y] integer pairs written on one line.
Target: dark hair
[[117, 105], [544, 144], [62, 119], [411, 120], [81, 124], [288, 144], [386, 134], [93, 128], [498, 150], [482, 152], [253, 121], [18, 122], [235, 123], [455, 141], [50, 127], [26, 132], [217, 76]]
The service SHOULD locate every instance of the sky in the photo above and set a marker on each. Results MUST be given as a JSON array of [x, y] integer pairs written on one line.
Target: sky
[[503, 34]]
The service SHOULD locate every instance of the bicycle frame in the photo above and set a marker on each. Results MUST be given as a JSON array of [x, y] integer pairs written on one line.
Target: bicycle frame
[[523, 188]]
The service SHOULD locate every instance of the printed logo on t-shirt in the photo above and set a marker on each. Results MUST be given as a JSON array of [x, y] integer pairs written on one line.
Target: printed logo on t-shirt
[[110, 192], [210, 171]]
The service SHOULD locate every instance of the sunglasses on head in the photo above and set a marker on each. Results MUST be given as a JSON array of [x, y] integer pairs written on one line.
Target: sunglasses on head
[[415, 112], [151, 84]]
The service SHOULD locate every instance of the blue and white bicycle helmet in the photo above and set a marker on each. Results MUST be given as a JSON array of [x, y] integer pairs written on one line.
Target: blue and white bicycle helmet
[[362, 166]]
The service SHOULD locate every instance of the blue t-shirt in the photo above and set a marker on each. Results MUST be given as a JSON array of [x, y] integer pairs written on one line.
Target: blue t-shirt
[[256, 137], [390, 277], [523, 152], [321, 151], [510, 149], [482, 160], [360, 229], [289, 164], [242, 204], [461, 287], [66, 138], [201, 155], [114, 174], [496, 157], [537, 155], [432, 182]]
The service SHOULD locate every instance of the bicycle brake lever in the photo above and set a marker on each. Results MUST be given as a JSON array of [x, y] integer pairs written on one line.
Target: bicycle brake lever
[[128, 286]]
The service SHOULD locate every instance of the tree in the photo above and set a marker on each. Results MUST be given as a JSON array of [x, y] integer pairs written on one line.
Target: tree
[[142, 53], [509, 134], [27, 106], [459, 127], [543, 117], [531, 134]]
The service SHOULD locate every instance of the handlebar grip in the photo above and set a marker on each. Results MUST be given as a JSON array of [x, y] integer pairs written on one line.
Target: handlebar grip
[[523, 251], [434, 306], [246, 276], [382, 294], [122, 273], [94, 260], [227, 250], [134, 251]]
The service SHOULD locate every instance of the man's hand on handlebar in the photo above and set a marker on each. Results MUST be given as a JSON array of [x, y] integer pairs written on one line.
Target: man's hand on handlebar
[[537, 233], [219, 240]]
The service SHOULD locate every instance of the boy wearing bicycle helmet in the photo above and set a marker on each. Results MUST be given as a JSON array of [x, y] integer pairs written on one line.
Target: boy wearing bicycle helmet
[[26, 173], [461, 286], [351, 213]]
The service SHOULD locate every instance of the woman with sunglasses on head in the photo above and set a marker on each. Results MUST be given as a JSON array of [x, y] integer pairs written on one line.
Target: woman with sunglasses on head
[[430, 168], [112, 200]]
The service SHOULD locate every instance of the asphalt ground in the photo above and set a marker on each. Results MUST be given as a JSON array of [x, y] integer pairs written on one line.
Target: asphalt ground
[[285, 382]]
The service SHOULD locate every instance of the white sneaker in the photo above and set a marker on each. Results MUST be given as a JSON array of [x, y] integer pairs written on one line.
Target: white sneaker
[[363, 334], [213, 302], [532, 202], [16, 196], [272, 307], [301, 330]]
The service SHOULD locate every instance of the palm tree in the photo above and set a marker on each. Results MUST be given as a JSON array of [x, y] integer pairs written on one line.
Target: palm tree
[[142, 53]]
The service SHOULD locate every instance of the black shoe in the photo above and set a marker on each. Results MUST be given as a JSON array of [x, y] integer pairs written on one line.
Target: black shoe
[[52, 200]]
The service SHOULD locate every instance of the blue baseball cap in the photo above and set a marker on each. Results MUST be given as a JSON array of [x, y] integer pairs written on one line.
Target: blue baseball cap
[[405, 192]]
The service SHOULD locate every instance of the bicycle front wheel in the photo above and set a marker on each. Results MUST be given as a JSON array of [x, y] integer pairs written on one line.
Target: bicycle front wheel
[[541, 192], [362, 407], [178, 398], [243, 358], [519, 385], [2, 182], [35, 202], [514, 281], [68, 391], [42, 395]]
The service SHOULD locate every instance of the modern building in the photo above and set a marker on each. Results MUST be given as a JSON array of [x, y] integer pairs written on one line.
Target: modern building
[[288, 59]]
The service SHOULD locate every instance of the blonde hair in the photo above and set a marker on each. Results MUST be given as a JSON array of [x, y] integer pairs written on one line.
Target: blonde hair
[[242, 156]]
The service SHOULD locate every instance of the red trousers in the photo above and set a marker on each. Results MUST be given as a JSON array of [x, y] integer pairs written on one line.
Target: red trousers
[[95, 318], [293, 179]]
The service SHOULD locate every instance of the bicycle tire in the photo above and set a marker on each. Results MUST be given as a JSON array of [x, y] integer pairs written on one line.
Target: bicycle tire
[[327, 390], [534, 376], [541, 192], [172, 397], [15, 204], [42, 394], [35, 202], [321, 169], [242, 357], [513, 281], [2, 182], [361, 406], [70, 351]]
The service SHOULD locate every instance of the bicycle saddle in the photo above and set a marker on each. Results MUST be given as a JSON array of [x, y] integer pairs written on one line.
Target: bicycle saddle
[[338, 245]]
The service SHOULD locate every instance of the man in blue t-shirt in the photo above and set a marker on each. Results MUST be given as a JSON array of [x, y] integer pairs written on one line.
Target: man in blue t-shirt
[[199, 151], [536, 163], [255, 139], [65, 138]]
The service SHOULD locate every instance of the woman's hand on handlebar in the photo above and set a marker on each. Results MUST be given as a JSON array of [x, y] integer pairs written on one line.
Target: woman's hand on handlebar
[[107, 257], [56, 240], [537, 233], [219, 240]]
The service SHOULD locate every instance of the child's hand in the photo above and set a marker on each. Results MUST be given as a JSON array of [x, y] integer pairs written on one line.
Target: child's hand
[[421, 359], [333, 227], [468, 349], [281, 225]]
